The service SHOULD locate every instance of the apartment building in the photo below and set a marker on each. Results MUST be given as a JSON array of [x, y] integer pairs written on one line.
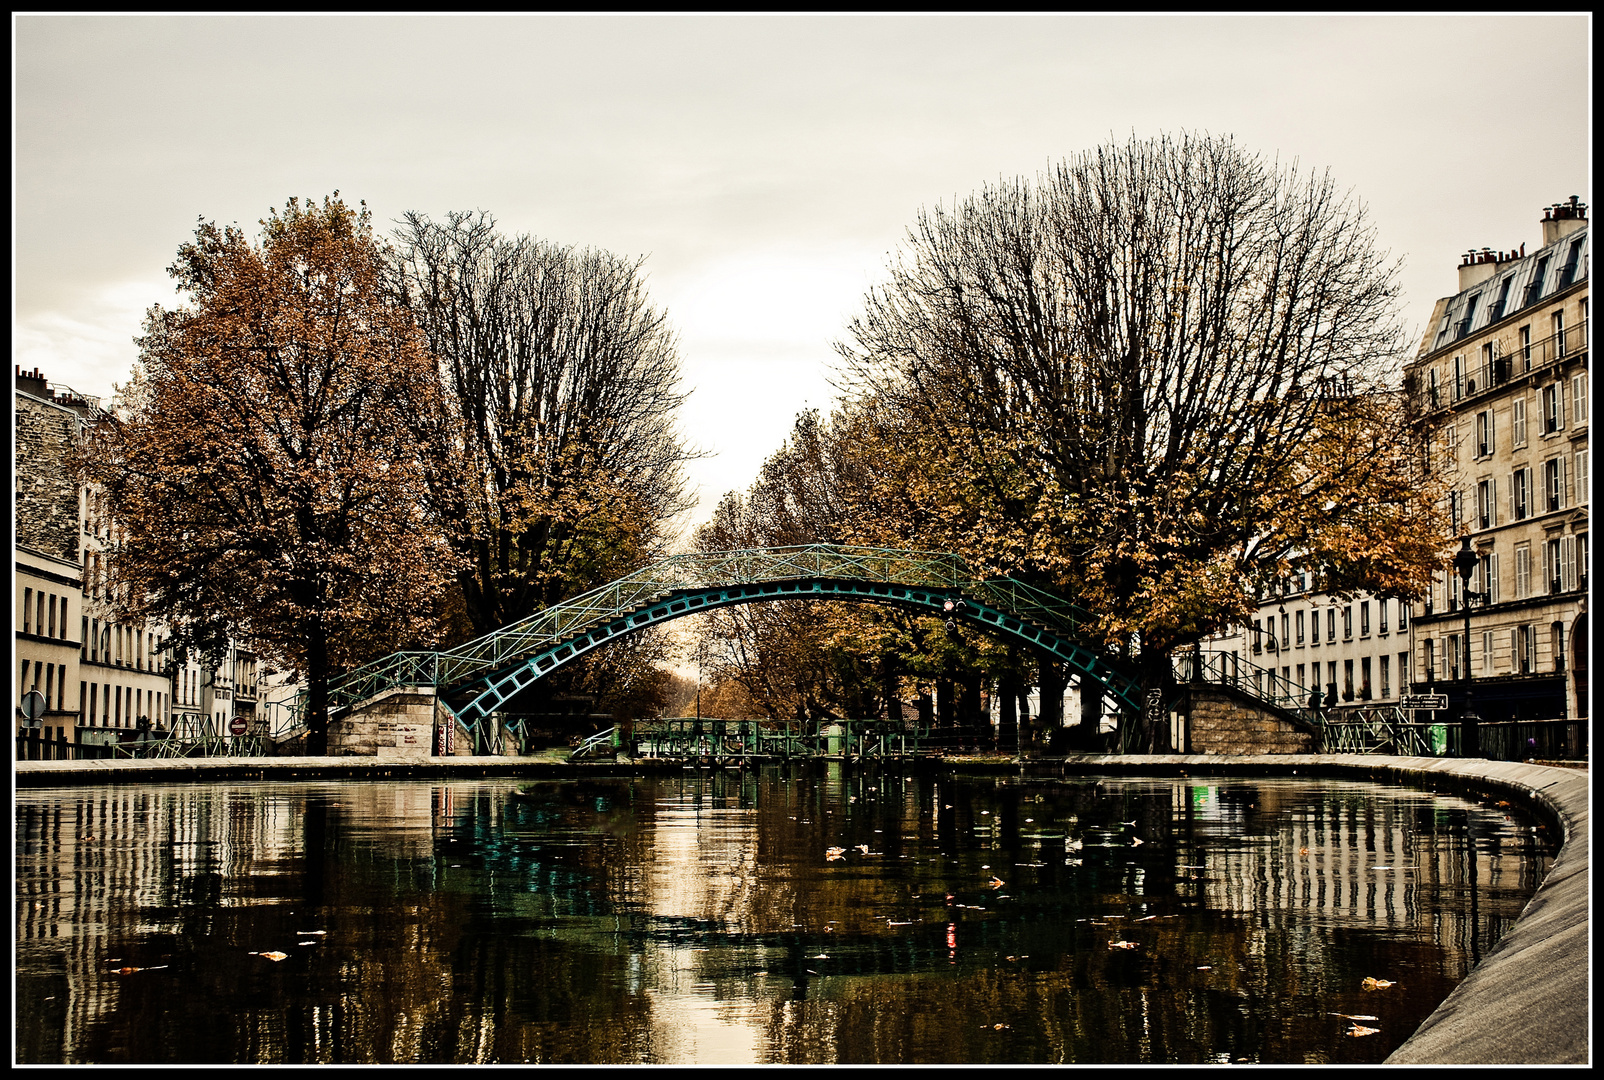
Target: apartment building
[[1500, 387], [101, 679], [1354, 652]]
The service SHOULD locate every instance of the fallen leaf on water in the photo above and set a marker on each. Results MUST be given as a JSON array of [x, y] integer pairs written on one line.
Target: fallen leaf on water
[[1360, 1030], [1303, 851], [1122, 944], [1360, 1016], [127, 970], [274, 956], [835, 851], [1136, 841], [998, 1027], [1376, 984], [997, 883], [307, 943]]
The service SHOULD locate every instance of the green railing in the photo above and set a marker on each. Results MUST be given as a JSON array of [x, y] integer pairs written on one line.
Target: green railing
[[685, 573]]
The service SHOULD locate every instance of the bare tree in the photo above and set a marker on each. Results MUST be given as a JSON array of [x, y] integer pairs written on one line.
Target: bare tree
[[1131, 375], [564, 382]]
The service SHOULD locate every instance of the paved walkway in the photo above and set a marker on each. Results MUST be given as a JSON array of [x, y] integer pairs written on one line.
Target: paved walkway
[[1528, 1001]]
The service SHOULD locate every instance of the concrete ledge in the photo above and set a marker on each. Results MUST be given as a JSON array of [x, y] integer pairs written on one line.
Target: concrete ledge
[[1527, 1003]]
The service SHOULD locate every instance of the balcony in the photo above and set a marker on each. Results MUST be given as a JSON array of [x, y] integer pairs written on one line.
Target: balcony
[[1518, 361]]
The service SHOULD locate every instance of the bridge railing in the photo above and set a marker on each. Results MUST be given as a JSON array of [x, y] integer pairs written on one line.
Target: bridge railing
[[639, 590]]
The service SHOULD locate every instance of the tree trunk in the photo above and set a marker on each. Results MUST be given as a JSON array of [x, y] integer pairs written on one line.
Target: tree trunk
[[1051, 714], [1008, 712], [317, 688]]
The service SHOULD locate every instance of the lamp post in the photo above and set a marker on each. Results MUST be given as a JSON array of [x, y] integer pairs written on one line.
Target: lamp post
[[1465, 563]]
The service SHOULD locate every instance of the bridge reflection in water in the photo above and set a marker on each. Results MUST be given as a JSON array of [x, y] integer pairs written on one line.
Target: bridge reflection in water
[[823, 915]]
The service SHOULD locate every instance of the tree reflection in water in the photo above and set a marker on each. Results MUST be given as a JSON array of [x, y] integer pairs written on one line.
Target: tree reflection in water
[[698, 919]]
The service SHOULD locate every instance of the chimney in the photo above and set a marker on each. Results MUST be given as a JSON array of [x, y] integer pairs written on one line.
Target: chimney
[[1476, 267], [1562, 219], [31, 382]]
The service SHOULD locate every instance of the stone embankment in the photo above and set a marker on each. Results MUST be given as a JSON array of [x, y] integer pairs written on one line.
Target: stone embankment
[[1526, 1003]]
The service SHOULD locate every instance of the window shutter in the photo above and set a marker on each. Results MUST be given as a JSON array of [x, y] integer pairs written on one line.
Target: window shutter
[[1567, 562]]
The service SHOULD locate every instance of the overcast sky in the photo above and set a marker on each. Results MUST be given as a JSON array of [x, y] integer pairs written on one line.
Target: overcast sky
[[765, 166]]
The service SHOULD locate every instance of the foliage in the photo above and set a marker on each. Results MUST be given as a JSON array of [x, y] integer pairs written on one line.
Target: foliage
[[263, 465]]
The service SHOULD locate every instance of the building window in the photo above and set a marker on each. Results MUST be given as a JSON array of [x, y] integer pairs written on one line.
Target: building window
[[1579, 477], [1381, 616], [1331, 682], [1433, 391], [1486, 652], [1579, 398], [1520, 493], [1554, 483], [27, 611], [1485, 443], [1347, 680], [1364, 678], [1523, 571], [1556, 633], [1331, 627], [1301, 676], [1517, 421], [1523, 649], [1559, 332], [1299, 623], [1553, 401], [1452, 674], [1364, 618], [1285, 631], [1487, 569], [1403, 622], [1456, 511], [1486, 501], [1526, 347], [1386, 676], [1459, 377]]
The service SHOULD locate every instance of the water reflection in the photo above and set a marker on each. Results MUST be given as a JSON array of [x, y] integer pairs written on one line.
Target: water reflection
[[768, 917]]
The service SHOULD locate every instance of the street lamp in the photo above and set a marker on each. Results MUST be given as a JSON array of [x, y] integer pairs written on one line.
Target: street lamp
[[1465, 563]]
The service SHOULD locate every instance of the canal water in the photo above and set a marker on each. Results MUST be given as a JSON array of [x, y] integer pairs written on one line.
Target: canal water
[[801, 916]]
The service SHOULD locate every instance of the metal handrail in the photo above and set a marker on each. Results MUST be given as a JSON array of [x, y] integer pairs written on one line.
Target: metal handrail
[[637, 591], [1229, 669]]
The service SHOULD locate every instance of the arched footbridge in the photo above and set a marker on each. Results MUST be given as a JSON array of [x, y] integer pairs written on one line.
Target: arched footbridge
[[477, 678]]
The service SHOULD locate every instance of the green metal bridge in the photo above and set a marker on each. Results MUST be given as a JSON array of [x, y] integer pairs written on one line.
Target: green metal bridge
[[476, 679]]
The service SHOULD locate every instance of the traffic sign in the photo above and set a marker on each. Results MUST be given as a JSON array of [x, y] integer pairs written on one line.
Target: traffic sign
[[33, 706], [236, 726], [1423, 701]]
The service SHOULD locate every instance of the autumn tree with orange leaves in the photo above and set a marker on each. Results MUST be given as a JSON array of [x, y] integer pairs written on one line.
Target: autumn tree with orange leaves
[[269, 465], [1157, 377]]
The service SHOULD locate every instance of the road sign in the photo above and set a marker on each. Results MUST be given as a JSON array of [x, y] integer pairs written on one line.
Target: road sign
[[236, 726], [1423, 701], [33, 706]]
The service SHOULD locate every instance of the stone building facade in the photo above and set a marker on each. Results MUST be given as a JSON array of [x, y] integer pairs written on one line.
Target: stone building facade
[[1500, 384]]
